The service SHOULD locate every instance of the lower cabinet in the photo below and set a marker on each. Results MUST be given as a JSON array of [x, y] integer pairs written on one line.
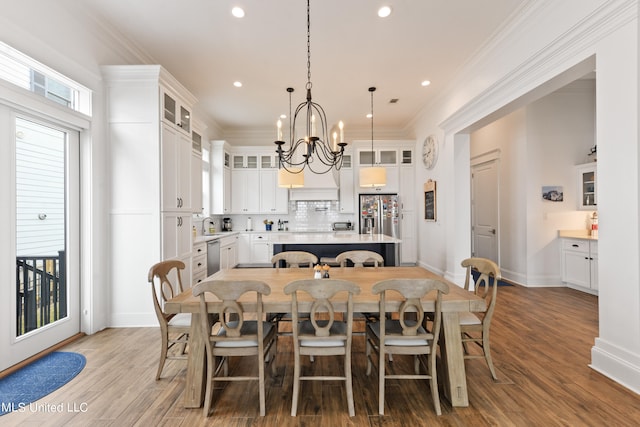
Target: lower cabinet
[[228, 252], [254, 249], [580, 264], [199, 263], [408, 233]]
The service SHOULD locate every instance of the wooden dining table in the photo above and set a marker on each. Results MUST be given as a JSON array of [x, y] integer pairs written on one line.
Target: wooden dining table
[[456, 301]]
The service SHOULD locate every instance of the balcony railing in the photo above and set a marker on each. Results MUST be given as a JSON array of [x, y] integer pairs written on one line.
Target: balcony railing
[[41, 291]]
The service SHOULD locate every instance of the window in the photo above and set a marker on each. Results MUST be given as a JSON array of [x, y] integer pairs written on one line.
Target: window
[[23, 71]]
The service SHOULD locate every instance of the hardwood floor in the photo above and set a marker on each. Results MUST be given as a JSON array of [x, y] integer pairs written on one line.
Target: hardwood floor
[[541, 342]]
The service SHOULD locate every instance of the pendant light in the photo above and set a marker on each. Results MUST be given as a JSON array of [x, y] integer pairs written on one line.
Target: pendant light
[[373, 176]]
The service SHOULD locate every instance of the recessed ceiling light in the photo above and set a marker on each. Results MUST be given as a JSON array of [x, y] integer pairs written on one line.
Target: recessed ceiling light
[[237, 84], [384, 11], [283, 116], [425, 83], [369, 115], [238, 12]]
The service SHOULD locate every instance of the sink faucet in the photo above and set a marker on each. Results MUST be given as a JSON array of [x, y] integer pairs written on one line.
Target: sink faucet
[[206, 221]]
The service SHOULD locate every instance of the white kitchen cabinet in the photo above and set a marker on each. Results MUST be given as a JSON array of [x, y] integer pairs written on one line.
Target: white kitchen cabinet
[[245, 186], [199, 263], [196, 173], [245, 191], [229, 252], [347, 193], [586, 184], [177, 235], [149, 152], [386, 157], [408, 235], [175, 170], [244, 249], [407, 183], [261, 249], [580, 264], [255, 249], [175, 112], [273, 199], [220, 178]]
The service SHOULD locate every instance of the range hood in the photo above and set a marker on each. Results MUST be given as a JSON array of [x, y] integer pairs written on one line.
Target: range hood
[[317, 186]]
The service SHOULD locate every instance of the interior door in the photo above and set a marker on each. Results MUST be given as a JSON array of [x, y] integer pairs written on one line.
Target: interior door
[[484, 211], [44, 236]]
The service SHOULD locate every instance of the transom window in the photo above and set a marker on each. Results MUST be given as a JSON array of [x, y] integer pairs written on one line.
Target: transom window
[[21, 70]]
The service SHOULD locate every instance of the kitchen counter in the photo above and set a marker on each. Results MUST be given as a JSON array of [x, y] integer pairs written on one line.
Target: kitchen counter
[[576, 234], [331, 244], [337, 237], [207, 238]]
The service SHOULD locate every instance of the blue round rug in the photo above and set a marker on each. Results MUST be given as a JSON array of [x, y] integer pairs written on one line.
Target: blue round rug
[[38, 379]]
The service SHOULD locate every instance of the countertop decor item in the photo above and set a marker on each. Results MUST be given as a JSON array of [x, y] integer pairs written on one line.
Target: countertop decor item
[[309, 145]]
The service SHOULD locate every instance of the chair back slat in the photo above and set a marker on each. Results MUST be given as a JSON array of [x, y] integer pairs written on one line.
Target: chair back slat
[[293, 259], [359, 257]]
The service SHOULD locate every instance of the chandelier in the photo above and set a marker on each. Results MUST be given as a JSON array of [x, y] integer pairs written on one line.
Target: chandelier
[[309, 145]]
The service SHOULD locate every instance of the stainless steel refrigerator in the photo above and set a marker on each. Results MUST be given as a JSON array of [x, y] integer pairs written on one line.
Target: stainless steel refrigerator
[[380, 214]]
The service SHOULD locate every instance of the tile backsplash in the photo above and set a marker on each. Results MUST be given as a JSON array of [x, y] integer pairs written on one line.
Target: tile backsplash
[[303, 216]]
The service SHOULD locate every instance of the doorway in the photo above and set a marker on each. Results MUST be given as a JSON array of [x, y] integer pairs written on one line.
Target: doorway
[[44, 207]]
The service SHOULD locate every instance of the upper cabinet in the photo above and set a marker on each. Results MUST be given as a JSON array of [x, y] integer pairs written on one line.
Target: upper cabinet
[[175, 112], [587, 189], [347, 190], [245, 181], [220, 178], [391, 155], [196, 173]]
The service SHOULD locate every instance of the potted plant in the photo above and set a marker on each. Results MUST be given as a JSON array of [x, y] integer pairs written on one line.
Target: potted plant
[[268, 224]]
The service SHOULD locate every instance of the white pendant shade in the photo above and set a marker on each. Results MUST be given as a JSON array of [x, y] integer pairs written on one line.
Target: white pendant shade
[[288, 179], [375, 176]]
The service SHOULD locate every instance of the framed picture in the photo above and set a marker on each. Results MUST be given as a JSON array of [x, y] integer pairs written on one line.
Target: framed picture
[[430, 208]]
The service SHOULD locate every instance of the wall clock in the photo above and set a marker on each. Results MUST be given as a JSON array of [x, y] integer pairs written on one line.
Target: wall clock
[[430, 151]]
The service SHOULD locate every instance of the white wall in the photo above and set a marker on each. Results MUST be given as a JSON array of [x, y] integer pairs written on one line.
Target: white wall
[[540, 53]]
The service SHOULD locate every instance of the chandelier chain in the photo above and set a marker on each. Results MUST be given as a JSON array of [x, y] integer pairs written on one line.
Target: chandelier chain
[[308, 44]]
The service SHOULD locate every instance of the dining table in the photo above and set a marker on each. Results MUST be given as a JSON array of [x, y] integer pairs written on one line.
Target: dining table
[[456, 301]]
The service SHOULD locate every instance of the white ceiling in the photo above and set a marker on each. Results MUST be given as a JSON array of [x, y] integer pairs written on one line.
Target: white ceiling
[[207, 49]]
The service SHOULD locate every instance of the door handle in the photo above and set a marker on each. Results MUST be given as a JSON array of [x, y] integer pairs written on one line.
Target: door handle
[[493, 231]]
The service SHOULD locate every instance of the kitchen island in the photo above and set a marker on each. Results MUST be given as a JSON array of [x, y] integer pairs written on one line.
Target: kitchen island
[[331, 244]]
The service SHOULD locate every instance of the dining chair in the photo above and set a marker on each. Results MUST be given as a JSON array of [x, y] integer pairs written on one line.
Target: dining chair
[[407, 334], [294, 259], [166, 282], [359, 258], [321, 334], [233, 335], [475, 327]]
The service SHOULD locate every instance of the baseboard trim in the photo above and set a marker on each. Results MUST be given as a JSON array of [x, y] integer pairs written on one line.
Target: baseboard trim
[[619, 369]]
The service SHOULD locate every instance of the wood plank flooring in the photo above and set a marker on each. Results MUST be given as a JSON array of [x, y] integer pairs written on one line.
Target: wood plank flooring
[[541, 341]]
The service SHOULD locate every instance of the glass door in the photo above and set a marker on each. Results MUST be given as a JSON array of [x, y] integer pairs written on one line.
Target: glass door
[[45, 282]]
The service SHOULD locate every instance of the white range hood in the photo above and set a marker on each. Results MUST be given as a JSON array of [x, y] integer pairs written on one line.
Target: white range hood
[[317, 187]]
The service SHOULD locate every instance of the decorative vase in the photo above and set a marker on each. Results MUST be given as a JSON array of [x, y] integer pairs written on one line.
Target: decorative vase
[[268, 226]]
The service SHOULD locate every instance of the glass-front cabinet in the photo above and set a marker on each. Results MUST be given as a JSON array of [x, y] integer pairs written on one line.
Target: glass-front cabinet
[[176, 113], [587, 189]]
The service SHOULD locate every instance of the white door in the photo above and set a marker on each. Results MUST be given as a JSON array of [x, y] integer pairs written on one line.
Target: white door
[[43, 308], [484, 211]]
